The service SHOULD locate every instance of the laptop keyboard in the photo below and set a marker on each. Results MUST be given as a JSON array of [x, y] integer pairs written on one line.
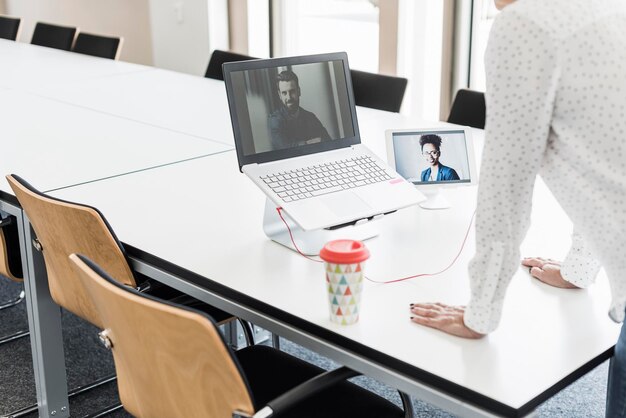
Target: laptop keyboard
[[325, 178]]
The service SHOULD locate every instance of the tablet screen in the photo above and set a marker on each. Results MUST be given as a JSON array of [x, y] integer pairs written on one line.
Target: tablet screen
[[432, 157]]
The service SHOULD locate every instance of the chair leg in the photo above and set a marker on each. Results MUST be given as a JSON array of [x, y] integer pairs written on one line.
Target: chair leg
[[13, 337], [14, 302], [407, 405], [77, 391]]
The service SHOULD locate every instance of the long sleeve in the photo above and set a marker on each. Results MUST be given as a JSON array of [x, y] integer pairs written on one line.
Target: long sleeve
[[580, 267], [522, 76]]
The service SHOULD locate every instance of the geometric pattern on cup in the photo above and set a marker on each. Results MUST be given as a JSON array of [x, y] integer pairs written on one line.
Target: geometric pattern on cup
[[344, 283]]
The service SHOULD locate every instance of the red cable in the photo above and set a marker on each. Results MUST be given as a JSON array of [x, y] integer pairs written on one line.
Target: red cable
[[279, 210], [439, 272]]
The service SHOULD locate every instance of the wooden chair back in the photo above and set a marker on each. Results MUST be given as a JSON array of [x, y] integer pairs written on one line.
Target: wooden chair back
[[10, 263], [170, 360], [64, 228]]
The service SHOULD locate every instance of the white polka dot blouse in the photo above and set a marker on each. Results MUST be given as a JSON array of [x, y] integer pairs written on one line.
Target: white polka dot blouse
[[556, 106]]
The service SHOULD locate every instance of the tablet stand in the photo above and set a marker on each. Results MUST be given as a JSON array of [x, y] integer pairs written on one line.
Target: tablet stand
[[311, 242], [434, 200]]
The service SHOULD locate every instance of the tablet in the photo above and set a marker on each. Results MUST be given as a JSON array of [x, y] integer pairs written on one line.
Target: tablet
[[432, 159]]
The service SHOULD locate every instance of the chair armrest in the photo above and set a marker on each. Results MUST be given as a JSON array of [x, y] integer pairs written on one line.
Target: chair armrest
[[305, 390], [144, 287], [7, 221]]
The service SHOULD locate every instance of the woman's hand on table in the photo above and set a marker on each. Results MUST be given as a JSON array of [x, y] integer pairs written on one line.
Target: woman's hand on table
[[446, 318]]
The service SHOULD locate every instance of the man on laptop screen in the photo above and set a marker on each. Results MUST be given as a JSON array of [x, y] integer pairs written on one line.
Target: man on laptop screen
[[297, 137], [291, 125]]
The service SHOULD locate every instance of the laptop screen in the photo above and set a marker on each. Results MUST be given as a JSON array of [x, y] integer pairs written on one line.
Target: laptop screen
[[286, 107]]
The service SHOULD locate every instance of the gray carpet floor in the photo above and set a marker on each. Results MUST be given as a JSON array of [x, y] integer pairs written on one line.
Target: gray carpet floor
[[87, 360]]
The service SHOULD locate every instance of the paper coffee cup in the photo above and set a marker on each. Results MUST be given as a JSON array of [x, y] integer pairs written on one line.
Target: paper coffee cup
[[344, 261]]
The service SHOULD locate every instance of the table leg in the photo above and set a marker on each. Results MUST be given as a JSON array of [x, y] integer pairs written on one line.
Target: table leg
[[44, 321]]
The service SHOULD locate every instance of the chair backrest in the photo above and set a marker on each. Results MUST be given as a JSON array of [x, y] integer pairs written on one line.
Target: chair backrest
[[219, 57], [10, 262], [378, 91], [64, 228], [9, 27], [170, 360], [53, 36], [468, 108], [98, 46]]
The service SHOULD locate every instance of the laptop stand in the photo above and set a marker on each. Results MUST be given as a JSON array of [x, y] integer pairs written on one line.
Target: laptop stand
[[311, 242]]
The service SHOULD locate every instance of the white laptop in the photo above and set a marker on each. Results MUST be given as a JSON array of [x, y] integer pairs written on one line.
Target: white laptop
[[297, 137]]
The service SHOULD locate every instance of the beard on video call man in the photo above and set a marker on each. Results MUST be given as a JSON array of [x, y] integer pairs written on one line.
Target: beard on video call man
[[431, 150], [291, 125]]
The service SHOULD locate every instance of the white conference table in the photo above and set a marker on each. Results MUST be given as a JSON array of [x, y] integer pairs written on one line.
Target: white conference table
[[54, 145], [216, 251], [187, 104], [30, 67]]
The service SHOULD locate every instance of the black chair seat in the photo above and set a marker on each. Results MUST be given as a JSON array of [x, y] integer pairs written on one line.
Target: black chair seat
[[9, 27], [53, 36], [219, 57], [96, 45], [344, 399], [378, 91], [468, 108], [216, 314], [12, 249]]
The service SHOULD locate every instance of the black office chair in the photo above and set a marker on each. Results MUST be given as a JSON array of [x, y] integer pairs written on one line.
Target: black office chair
[[194, 374], [9, 27], [219, 57], [53, 36], [98, 46], [11, 267], [378, 91], [468, 108]]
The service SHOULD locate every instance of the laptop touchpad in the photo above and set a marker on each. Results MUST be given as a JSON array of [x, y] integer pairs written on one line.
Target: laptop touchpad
[[345, 204]]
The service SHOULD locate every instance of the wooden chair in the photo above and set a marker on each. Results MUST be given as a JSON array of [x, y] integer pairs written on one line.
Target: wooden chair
[[98, 46], [53, 36], [468, 109], [9, 27], [11, 267], [63, 228], [172, 362], [219, 57], [378, 91]]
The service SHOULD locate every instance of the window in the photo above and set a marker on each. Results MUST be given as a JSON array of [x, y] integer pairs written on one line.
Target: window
[[308, 27], [484, 13]]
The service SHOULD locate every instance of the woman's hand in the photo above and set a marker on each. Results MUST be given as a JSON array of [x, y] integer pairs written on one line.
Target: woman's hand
[[448, 319], [547, 271]]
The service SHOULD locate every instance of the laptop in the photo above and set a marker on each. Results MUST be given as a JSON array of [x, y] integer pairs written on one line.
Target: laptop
[[297, 138]]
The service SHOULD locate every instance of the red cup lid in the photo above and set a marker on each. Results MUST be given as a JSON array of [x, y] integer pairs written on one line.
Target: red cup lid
[[344, 251]]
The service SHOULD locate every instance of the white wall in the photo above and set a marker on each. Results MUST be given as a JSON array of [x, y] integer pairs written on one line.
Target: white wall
[[126, 18], [184, 32]]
